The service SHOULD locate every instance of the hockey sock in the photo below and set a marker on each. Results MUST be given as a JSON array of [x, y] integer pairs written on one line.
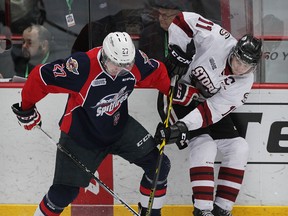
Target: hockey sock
[[147, 179], [62, 195], [48, 208], [57, 198]]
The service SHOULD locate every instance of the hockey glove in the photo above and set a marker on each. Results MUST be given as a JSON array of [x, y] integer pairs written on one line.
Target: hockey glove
[[27, 118], [176, 133], [184, 94], [177, 62]]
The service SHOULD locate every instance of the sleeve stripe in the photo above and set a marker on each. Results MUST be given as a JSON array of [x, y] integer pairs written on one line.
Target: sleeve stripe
[[180, 21], [206, 114]]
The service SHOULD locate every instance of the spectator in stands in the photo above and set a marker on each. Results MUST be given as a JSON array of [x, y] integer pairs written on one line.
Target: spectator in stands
[[36, 49], [99, 30], [6, 63], [154, 37], [26, 12]]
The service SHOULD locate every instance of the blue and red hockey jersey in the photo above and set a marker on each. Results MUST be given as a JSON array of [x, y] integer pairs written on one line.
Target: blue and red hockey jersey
[[97, 108]]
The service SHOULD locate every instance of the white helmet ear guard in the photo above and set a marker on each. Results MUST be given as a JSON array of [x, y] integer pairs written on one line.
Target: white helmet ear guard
[[119, 48]]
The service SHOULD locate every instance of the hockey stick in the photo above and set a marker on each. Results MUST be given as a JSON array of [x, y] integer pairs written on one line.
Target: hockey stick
[[88, 172], [161, 148]]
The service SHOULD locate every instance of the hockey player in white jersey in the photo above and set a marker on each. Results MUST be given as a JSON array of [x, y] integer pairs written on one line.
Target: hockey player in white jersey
[[219, 78]]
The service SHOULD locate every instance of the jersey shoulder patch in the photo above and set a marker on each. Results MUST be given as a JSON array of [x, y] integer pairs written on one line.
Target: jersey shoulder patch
[[144, 64], [69, 73]]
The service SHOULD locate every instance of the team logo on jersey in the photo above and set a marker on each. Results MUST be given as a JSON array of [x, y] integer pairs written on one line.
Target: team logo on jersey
[[72, 66], [204, 80], [99, 82], [111, 103]]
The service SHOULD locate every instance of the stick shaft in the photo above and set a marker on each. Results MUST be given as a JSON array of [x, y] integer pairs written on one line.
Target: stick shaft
[[161, 149]]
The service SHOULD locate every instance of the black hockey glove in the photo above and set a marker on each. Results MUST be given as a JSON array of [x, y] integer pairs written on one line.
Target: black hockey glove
[[176, 133], [184, 94], [177, 62], [28, 118]]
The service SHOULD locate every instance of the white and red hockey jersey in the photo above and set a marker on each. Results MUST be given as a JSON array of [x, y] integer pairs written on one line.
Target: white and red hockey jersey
[[222, 92]]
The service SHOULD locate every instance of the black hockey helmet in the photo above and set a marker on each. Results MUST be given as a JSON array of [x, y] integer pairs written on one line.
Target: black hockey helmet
[[248, 49]]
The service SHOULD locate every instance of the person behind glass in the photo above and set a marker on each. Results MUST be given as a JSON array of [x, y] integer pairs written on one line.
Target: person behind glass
[[154, 37], [5, 45], [102, 27], [6, 64], [96, 120], [216, 79], [36, 49]]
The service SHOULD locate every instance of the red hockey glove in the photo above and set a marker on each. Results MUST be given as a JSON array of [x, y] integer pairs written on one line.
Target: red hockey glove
[[177, 62], [27, 118], [176, 133], [184, 94]]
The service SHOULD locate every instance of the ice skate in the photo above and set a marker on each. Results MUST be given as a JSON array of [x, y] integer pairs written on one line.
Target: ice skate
[[198, 212], [217, 211]]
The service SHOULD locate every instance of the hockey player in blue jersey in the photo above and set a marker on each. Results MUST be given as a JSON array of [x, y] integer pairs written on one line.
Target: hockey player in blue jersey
[[96, 121]]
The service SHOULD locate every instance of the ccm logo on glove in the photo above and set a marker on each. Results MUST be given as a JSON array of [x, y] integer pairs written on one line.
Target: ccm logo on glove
[[180, 58], [177, 62]]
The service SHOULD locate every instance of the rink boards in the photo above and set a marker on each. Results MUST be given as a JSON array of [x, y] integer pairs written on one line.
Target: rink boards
[[27, 159]]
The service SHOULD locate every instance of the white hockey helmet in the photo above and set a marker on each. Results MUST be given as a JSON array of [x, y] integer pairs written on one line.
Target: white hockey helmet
[[119, 48]]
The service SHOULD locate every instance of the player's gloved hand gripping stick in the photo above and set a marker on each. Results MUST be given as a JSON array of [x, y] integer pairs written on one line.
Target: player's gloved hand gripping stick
[[161, 148], [178, 132]]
